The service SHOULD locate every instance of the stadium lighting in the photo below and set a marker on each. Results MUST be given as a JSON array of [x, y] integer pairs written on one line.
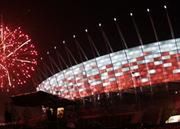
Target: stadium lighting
[[148, 10], [104, 85], [165, 6], [64, 42]]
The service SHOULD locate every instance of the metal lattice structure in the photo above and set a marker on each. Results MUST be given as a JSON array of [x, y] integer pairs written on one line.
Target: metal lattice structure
[[140, 66]]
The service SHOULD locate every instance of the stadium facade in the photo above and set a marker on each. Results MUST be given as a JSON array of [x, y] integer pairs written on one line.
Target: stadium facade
[[141, 66]]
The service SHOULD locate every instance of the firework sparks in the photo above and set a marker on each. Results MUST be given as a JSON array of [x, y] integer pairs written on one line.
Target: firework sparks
[[17, 57]]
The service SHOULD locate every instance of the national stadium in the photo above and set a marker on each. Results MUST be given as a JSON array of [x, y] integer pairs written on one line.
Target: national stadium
[[133, 86], [141, 66]]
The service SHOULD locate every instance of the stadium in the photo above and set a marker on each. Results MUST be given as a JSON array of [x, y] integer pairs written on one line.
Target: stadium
[[110, 76], [127, 87], [141, 66], [135, 87]]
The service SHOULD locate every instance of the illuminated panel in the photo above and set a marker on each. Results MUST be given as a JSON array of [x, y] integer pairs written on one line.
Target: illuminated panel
[[135, 67]]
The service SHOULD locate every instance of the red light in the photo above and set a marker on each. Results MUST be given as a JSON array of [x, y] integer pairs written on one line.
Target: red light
[[16, 57]]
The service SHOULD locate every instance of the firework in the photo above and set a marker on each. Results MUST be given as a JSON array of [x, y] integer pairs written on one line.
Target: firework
[[17, 57]]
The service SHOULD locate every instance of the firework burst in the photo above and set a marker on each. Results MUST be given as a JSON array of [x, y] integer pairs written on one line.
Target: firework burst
[[17, 58]]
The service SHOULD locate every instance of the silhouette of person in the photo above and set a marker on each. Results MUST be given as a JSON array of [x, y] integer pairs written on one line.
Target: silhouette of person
[[49, 114]]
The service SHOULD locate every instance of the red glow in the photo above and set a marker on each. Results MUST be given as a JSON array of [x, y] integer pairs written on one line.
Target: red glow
[[17, 57], [159, 73]]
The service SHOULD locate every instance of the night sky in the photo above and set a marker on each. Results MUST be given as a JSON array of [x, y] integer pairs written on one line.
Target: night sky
[[49, 22]]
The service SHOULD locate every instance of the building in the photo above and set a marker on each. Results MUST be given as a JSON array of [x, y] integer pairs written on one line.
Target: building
[[141, 66], [133, 86]]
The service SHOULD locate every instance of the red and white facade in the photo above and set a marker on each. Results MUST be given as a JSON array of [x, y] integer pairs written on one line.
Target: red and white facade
[[145, 65]]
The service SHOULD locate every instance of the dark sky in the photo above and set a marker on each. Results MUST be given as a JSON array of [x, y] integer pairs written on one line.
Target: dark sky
[[49, 22]]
